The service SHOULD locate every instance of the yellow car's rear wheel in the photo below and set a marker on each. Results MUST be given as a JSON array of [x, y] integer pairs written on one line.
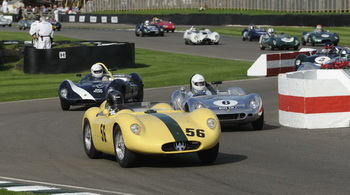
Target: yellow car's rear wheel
[[124, 156]]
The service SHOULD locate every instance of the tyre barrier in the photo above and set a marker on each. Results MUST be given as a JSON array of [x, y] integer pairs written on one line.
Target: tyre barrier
[[274, 64], [314, 99]]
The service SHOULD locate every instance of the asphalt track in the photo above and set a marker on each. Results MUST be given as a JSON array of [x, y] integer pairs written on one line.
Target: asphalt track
[[40, 142]]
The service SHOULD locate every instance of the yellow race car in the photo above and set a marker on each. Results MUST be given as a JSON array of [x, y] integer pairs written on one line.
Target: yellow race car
[[126, 132]]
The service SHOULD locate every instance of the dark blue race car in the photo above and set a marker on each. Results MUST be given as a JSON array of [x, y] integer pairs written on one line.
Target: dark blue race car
[[149, 30], [92, 91], [252, 32]]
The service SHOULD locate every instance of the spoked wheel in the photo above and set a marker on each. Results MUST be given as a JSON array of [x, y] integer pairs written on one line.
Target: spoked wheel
[[124, 156], [89, 146], [209, 156]]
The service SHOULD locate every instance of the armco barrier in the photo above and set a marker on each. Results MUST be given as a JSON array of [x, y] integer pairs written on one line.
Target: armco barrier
[[215, 19], [77, 59], [314, 99], [273, 64]]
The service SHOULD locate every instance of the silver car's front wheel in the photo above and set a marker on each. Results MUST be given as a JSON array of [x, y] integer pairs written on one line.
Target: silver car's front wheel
[[124, 156]]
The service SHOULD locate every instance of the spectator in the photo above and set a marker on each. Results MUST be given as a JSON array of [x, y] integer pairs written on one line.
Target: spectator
[[20, 13], [5, 6], [33, 31], [45, 34], [203, 7]]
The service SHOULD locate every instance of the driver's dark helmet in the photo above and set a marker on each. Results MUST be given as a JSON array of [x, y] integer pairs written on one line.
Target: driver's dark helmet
[[115, 100], [329, 47]]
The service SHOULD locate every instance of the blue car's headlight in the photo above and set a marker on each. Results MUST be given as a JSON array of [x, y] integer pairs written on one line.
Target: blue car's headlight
[[199, 105], [64, 93], [254, 104]]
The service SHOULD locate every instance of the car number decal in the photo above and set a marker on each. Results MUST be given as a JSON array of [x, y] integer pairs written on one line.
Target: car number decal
[[225, 103], [322, 60], [98, 91], [172, 125]]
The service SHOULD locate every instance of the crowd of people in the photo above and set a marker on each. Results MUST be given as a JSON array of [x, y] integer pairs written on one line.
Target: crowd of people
[[30, 11]]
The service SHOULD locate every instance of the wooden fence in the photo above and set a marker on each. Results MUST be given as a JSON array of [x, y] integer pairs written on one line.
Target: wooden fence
[[292, 6]]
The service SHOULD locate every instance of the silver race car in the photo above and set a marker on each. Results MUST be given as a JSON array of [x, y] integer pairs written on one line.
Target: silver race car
[[5, 21], [232, 106]]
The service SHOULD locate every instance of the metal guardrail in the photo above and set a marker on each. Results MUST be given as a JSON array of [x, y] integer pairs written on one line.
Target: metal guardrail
[[292, 6]]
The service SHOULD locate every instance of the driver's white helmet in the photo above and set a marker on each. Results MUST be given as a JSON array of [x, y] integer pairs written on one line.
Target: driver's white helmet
[[198, 82], [146, 22], [271, 31], [97, 70], [344, 54]]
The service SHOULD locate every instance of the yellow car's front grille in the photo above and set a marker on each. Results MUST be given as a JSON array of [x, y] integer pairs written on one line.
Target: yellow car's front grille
[[181, 146]]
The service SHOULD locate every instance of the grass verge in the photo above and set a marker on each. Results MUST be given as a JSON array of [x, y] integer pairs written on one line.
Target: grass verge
[[166, 69]]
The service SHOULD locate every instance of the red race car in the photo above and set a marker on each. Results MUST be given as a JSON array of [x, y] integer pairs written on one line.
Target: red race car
[[168, 26]]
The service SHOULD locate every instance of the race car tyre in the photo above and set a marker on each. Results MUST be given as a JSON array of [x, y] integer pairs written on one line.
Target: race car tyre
[[259, 124], [173, 31], [137, 34], [124, 156], [142, 34], [303, 42], [139, 97], [311, 42], [243, 39], [250, 38], [186, 42], [262, 47], [64, 105], [89, 146], [209, 156]]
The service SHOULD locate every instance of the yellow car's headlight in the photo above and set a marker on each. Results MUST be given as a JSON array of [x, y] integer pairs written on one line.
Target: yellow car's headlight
[[135, 129], [211, 123]]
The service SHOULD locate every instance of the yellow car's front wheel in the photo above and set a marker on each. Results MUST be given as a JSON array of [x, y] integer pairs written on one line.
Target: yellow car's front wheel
[[210, 155], [124, 156], [89, 146]]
